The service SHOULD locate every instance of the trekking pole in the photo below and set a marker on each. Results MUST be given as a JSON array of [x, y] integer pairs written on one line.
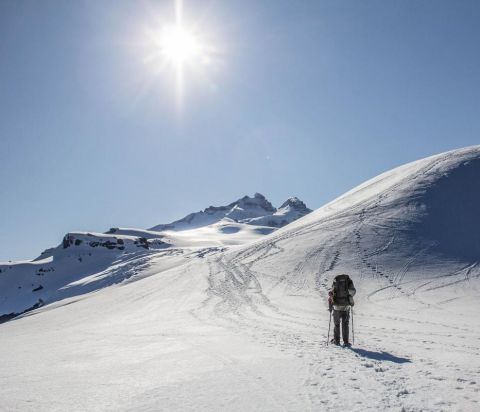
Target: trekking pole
[[329, 323], [353, 330]]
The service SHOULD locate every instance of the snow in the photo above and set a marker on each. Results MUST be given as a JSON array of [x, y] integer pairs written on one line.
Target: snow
[[291, 210], [256, 210], [244, 327], [85, 259]]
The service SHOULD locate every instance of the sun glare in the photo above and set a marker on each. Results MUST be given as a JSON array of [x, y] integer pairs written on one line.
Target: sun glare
[[180, 51], [180, 46]]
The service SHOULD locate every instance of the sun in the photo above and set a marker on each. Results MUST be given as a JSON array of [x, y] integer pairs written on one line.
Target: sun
[[179, 46], [181, 51]]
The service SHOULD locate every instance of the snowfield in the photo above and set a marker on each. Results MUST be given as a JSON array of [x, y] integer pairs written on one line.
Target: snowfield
[[87, 261], [243, 327]]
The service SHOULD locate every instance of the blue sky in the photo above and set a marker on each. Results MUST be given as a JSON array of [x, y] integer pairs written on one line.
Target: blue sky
[[301, 98]]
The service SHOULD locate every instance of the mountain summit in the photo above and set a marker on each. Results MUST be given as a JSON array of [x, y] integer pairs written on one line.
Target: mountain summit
[[256, 210]]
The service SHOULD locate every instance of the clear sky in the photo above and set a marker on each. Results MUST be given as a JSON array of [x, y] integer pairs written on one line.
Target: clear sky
[[295, 98]]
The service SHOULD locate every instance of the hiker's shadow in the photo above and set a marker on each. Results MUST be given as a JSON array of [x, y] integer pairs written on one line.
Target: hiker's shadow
[[380, 356]]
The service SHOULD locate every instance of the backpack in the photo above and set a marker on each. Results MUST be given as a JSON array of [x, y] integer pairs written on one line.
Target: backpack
[[340, 290]]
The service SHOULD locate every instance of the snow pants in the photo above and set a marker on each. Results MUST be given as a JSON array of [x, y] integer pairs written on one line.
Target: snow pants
[[344, 316]]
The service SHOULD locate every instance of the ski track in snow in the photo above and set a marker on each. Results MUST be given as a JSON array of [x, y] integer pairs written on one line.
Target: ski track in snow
[[272, 326]]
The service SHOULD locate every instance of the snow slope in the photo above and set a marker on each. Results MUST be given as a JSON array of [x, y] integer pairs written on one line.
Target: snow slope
[[84, 261], [245, 329], [87, 261]]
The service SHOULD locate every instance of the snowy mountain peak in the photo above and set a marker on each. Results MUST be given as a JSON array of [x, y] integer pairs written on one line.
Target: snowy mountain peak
[[250, 207], [296, 204], [290, 210], [258, 200], [250, 210]]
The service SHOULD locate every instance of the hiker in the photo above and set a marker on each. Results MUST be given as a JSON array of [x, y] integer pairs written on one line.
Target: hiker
[[340, 298]]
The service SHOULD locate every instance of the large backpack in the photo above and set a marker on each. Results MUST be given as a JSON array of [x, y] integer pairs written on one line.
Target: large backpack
[[340, 290]]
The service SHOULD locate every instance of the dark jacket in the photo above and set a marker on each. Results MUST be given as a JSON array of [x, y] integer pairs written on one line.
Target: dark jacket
[[345, 304]]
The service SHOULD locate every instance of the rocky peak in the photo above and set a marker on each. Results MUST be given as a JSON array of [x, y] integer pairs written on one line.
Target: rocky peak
[[258, 200], [296, 204]]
